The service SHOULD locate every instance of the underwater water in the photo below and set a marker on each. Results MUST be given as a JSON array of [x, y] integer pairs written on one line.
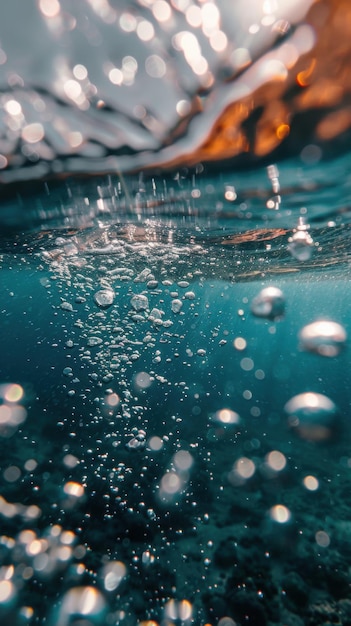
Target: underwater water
[[174, 350], [175, 438]]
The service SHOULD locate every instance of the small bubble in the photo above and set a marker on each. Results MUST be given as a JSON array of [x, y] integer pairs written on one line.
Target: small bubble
[[280, 513], [94, 341], [12, 473], [322, 538], [12, 392], [75, 490], [239, 343], [311, 483], [276, 460], [247, 364], [226, 417], [155, 443], [142, 380]]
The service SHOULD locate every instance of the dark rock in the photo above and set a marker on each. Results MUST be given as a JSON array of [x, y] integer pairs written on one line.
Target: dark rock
[[247, 609], [296, 590]]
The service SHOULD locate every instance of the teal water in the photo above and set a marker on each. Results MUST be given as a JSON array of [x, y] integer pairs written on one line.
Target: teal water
[[157, 467]]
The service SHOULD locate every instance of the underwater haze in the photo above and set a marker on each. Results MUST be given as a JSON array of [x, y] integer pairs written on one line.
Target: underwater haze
[[175, 380]]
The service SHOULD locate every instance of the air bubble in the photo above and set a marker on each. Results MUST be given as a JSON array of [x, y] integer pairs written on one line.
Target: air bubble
[[94, 341], [269, 303], [104, 298], [66, 306], [323, 337], [312, 416], [84, 602], [176, 305], [139, 302], [301, 245]]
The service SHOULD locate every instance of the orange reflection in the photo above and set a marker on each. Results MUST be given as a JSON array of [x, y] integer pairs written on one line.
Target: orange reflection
[[317, 78], [304, 78]]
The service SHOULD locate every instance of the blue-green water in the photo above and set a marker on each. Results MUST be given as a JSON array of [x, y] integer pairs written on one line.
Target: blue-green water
[[174, 346], [153, 470]]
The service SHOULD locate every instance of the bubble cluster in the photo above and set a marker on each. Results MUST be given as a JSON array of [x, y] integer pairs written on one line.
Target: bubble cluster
[[12, 411], [153, 480]]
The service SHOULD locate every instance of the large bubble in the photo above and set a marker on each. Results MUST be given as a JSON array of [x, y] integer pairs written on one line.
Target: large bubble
[[269, 303], [312, 416], [323, 337]]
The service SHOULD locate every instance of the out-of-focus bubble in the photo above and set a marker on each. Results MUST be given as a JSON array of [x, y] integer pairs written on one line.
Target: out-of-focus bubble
[[147, 558], [301, 245], [243, 469], [183, 460], [170, 484], [322, 539], [73, 494], [269, 303], [112, 400], [82, 603], [12, 392], [181, 610], [323, 337], [113, 574], [155, 443], [279, 529], [239, 343], [280, 514], [142, 380], [174, 481], [226, 417], [7, 591], [312, 416], [69, 460], [311, 483], [276, 460], [226, 621], [76, 490], [12, 414]]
